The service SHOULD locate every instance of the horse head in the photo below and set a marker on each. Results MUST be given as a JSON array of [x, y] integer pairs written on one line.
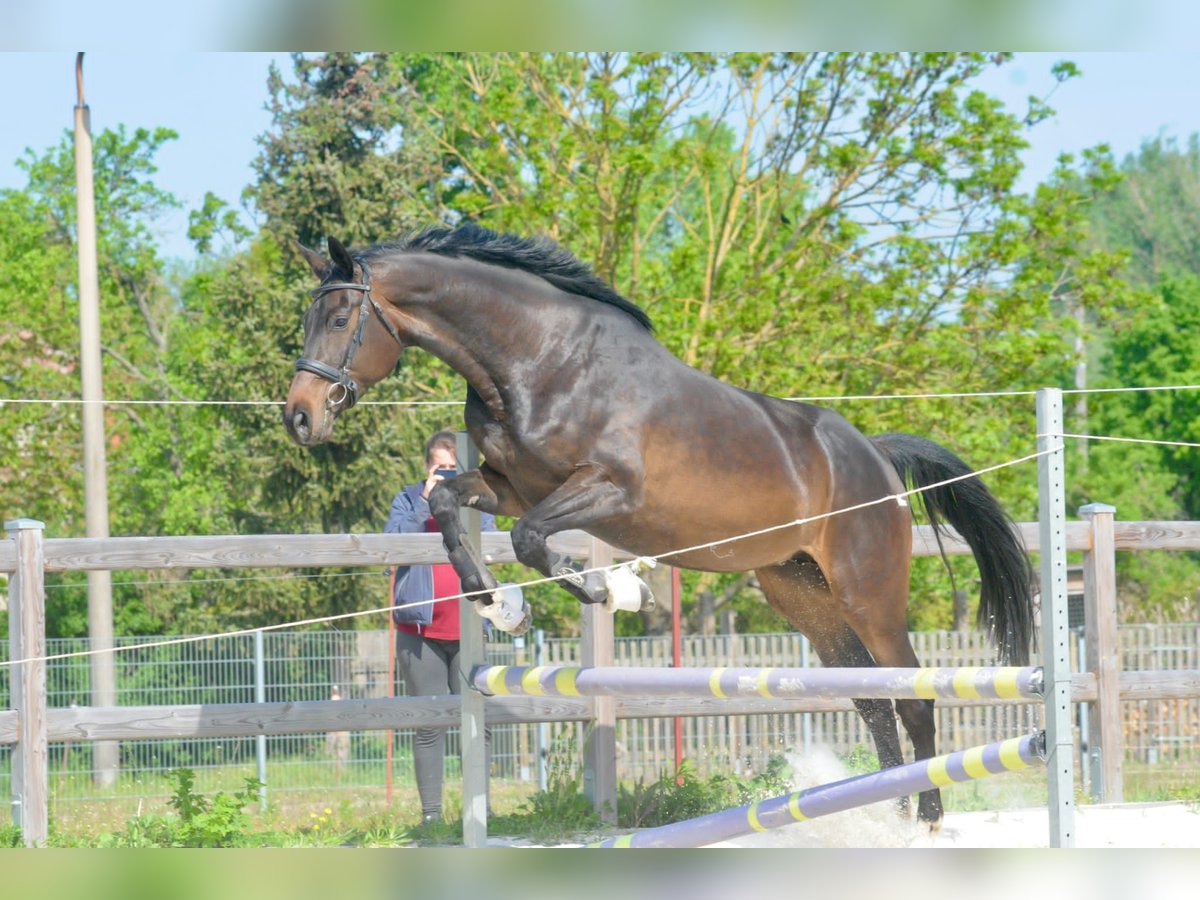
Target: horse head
[[349, 345]]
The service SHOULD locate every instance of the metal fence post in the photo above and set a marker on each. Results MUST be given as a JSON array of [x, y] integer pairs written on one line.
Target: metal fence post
[[1056, 648], [260, 696], [805, 718], [1089, 755], [471, 653], [543, 729], [1103, 651], [27, 640]]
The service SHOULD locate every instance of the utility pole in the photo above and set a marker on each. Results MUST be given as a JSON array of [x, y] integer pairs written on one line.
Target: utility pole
[[95, 466]]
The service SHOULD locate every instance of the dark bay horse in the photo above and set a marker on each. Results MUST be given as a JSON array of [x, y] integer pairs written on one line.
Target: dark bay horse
[[587, 422]]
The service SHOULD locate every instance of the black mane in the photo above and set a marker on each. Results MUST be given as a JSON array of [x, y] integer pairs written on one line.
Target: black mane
[[539, 256]]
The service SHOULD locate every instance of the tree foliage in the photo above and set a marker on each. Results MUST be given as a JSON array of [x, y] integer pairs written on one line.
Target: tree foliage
[[1153, 213], [1148, 217], [802, 224]]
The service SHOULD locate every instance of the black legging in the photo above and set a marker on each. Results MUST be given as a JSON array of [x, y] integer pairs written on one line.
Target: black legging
[[430, 667]]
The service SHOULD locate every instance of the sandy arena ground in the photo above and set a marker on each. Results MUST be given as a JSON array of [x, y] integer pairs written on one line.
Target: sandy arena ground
[[1134, 825], [1127, 826], [1139, 825]]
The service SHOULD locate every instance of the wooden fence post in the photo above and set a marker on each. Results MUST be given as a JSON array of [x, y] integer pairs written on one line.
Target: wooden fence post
[[1103, 653], [27, 640], [600, 746], [471, 653]]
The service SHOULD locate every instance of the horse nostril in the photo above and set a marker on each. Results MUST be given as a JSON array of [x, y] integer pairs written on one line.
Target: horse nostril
[[300, 424]]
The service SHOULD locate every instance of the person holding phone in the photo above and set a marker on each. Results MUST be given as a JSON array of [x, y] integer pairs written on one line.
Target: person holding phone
[[427, 631]]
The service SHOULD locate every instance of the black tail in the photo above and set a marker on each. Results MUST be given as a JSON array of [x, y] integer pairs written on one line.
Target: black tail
[[1005, 573]]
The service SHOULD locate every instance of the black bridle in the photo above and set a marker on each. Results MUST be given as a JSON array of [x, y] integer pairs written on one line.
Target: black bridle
[[341, 377]]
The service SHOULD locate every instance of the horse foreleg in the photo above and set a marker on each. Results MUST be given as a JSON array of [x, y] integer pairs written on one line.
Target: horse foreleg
[[483, 489], [589, 496]]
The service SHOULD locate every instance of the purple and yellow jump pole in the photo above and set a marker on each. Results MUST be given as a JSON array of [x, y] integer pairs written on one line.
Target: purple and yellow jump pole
[[993, 682], [900, 781]]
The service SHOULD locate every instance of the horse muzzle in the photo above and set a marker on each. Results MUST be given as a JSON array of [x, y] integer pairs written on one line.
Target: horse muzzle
[[300, 425], [311, 409]]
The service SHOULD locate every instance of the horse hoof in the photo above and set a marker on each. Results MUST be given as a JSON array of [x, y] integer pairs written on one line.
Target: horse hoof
[[507, 610], [647, 598], [596, 588]]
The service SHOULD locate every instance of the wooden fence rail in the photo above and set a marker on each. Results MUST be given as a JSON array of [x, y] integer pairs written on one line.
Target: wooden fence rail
[[1104, 685], [227, 720]]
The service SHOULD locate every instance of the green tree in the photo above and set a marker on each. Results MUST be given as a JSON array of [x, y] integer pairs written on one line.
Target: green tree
[[1153, 213], [1158, 347], [146, 446], [802, 224], [1149, 217]]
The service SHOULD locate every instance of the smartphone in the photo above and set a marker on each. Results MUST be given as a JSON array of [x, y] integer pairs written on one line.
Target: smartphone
[[446, 473]]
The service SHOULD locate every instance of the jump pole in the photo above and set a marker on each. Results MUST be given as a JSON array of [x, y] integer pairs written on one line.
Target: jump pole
[[988, 682], [888, 784]]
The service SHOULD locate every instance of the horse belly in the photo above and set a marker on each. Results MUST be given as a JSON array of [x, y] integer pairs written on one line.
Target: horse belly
[[707, 547]]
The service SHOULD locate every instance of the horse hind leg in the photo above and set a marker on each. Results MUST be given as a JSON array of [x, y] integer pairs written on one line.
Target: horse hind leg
[[588, 497], [880, 624], [800, 592], [848, 650]]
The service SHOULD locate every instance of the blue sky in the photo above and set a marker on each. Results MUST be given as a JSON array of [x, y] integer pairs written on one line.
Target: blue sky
[[216, 103]]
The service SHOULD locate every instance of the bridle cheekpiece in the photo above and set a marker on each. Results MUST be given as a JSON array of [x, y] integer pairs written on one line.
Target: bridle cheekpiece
[[340, 378]]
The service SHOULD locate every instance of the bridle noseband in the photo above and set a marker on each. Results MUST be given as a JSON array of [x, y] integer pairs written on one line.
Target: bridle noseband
[[341, 377]]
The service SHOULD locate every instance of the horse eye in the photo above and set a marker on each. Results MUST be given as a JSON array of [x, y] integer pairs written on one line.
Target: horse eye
[[341, 321]]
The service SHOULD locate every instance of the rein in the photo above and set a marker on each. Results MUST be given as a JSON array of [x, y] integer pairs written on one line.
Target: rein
[[341, 377]]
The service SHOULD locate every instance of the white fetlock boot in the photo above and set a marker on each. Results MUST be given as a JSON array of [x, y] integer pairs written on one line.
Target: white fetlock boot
[[508, 610], [627, 591]]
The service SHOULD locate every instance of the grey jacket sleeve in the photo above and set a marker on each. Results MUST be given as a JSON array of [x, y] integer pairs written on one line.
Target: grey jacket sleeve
[[409, 513]]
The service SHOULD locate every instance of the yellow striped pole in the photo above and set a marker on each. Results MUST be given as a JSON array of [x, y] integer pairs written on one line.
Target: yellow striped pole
[[940, 771], [995, 682]]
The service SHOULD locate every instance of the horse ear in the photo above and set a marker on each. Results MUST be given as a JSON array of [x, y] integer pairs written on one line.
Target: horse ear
[[341, 257], [319, 264]]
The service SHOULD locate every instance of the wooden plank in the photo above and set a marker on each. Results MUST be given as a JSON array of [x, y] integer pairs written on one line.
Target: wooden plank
[[1103, 653], [84, 723], [1077, 534], [1168, 684], [381, 714], [27, 641], [8, 727], [472, 728], [1156, 535], [596, 648], [311, 550], [268, 551], [221, 720]]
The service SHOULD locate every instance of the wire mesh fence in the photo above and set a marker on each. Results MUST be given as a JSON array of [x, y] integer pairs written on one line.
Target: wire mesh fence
[[320, 665]]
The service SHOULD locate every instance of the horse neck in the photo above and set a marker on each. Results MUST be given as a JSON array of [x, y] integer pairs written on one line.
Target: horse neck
[[481, 319]]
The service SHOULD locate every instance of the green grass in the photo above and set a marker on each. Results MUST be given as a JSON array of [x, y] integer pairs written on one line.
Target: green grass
[[1163, 781], [204, 808], [231, 817]]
